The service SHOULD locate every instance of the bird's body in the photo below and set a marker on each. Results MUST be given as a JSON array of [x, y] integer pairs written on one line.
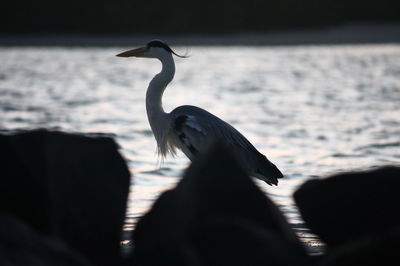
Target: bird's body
[[190, 128]]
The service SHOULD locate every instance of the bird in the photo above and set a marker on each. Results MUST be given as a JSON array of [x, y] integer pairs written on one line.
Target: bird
[[189, 128]]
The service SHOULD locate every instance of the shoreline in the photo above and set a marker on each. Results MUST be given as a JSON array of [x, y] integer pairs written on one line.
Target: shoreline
[[342, 34]]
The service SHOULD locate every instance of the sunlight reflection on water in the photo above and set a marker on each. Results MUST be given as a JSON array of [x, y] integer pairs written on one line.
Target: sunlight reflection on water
[[313, 110]]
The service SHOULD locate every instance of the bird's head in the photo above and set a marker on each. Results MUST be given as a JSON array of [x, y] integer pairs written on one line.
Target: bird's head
[[153, 49]]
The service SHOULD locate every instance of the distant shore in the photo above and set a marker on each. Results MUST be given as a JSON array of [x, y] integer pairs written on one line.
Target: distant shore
[[344, 34]]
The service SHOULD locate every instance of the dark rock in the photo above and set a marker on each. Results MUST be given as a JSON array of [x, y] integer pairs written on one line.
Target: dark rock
[[351, 205], [235, 241], [23, 186], [20, 245], [67, 186], [216, 215], [372, 250]]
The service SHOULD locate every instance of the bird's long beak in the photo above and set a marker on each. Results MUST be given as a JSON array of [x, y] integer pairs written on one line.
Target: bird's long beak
[[134, 52]]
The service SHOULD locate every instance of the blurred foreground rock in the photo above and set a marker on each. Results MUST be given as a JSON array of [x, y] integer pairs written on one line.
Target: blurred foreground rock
[[63, 199], [69, 187], [347, 206], [20, 245], [216, 215], [372, 250]]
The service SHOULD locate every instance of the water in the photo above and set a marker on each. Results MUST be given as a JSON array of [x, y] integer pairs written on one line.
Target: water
[[313, 110]]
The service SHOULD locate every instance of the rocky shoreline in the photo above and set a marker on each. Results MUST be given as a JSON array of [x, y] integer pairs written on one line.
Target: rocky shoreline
[[64, 196]]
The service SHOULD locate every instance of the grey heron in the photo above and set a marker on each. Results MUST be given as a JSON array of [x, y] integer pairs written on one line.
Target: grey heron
[[190, 128]]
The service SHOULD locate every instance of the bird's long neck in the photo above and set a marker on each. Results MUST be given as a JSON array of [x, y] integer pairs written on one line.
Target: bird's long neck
[[157, 86], [158, 119]]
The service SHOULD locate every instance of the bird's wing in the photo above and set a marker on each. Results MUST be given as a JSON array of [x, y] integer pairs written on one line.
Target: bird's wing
[[191, 134], [197, 128]]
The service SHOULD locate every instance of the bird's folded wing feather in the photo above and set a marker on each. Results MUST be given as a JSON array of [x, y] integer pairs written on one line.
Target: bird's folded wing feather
[[198, 128]]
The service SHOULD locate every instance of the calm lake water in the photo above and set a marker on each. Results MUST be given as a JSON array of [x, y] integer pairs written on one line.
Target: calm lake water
[[313, 110]]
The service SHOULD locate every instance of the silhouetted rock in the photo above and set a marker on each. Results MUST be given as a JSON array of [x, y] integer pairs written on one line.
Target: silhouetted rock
[[373, 250], [216, 215], [235, 241], [20, 245], [68, 186], [23, 186], [346, 206]]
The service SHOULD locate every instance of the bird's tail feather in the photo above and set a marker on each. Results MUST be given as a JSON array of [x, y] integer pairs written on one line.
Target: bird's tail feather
[[267, 171]]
